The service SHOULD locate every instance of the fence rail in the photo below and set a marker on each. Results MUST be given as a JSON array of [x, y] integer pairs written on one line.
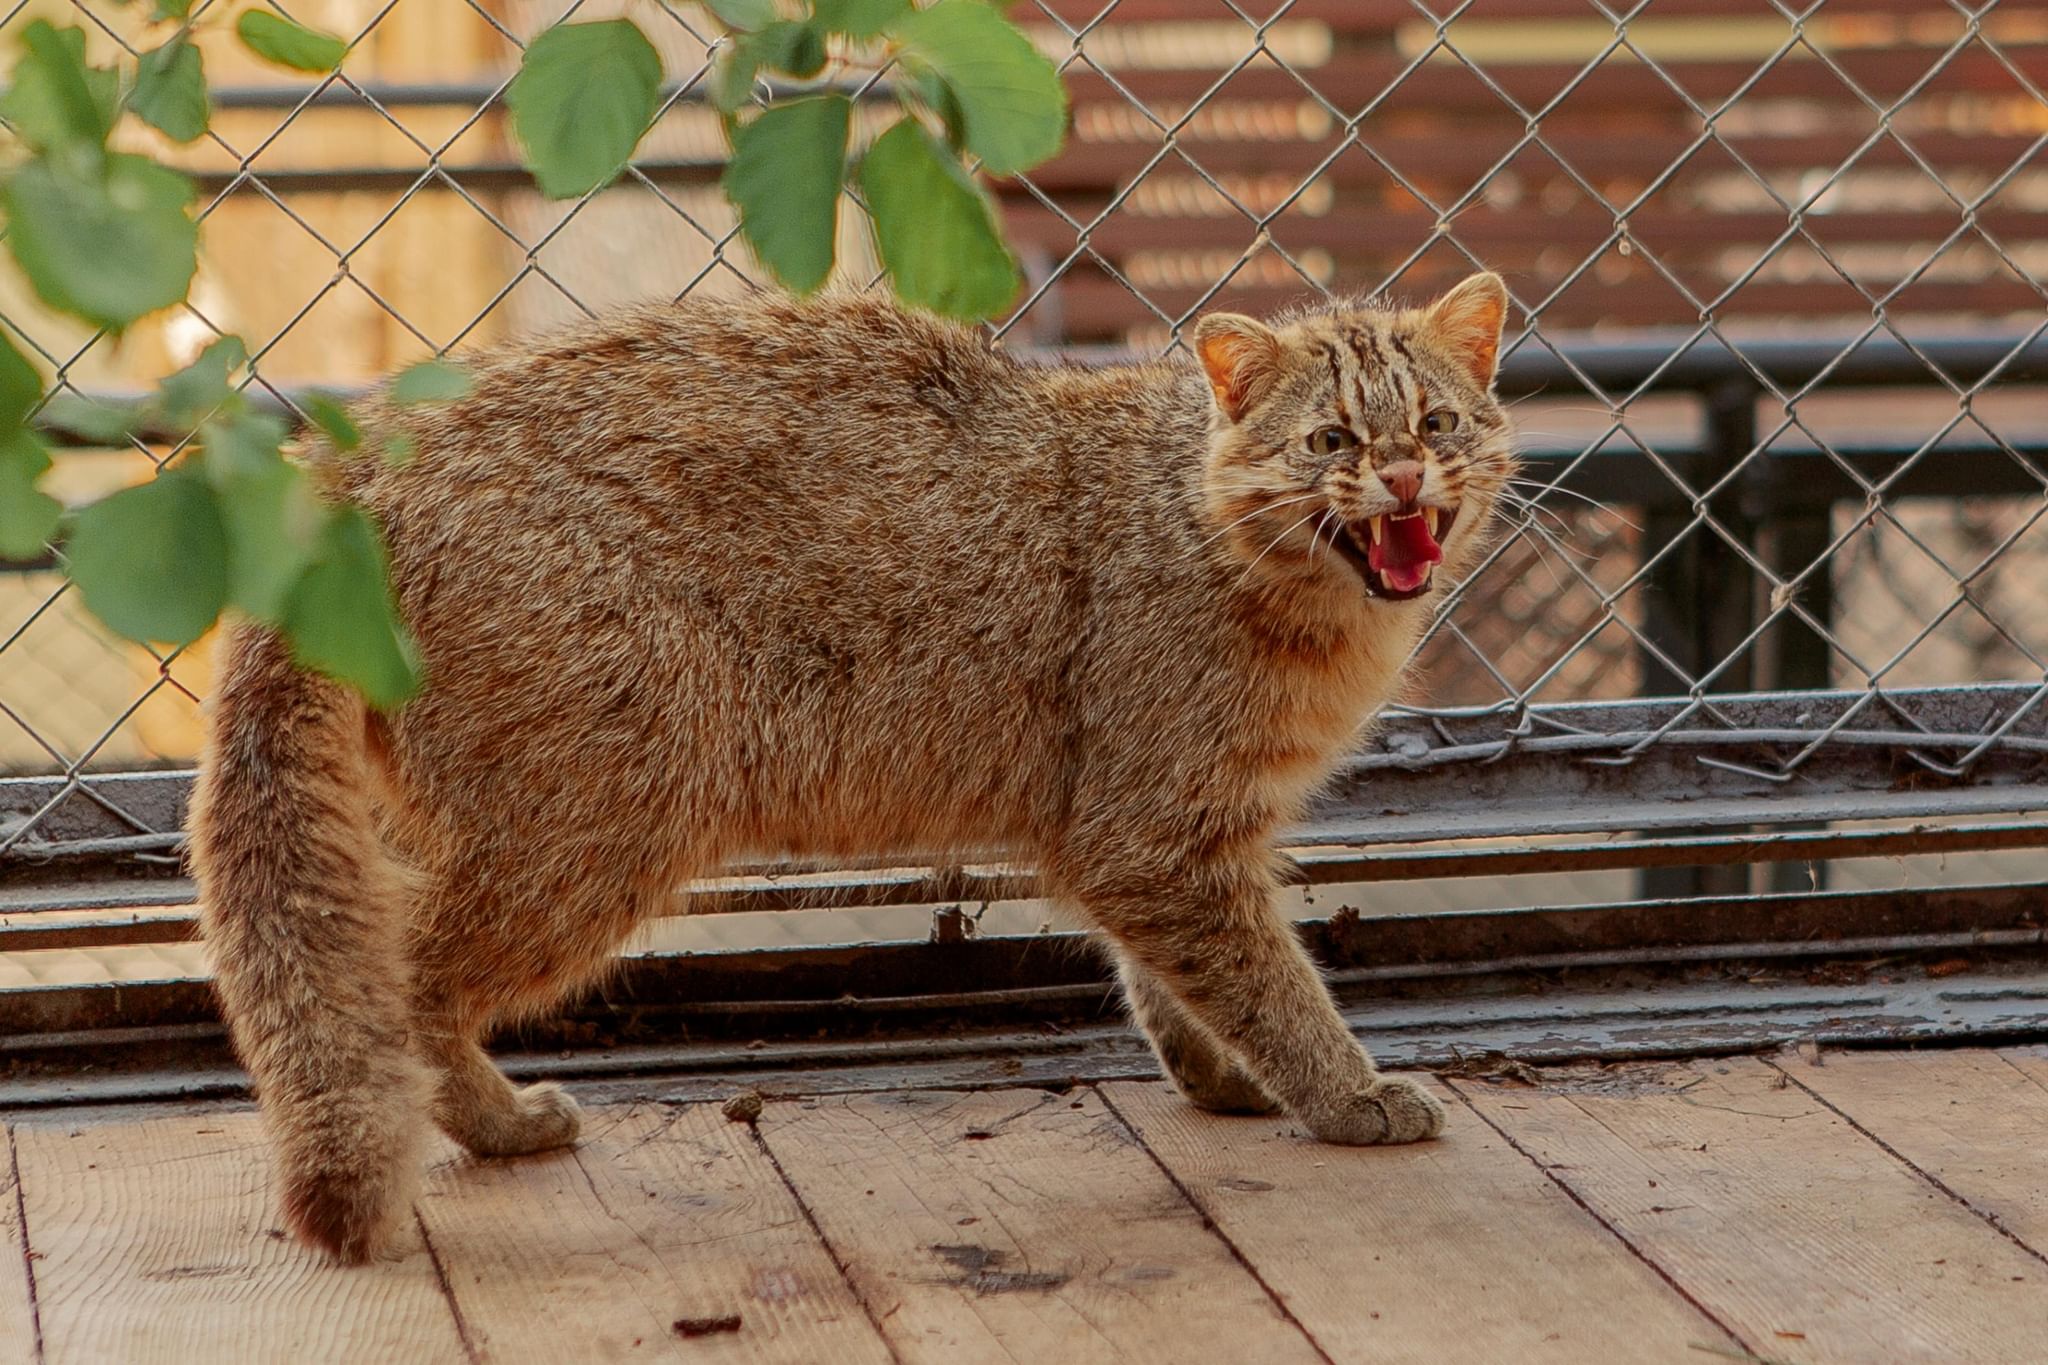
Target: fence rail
[[1653, 773]]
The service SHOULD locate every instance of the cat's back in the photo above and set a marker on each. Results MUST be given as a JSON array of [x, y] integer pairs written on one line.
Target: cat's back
[[818, 520], [811, 445], [750, 389]]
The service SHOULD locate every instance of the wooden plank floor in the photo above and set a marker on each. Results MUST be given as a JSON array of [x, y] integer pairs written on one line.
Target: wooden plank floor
[[1867, 1207]]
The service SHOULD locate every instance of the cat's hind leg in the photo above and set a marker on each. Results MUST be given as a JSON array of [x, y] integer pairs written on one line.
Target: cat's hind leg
[[1202, 1069], [494, 949], [477, 1106]]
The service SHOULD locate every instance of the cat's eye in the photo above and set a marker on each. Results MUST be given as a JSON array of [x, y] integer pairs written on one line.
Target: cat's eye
[[1442, 422], [1331, 441]]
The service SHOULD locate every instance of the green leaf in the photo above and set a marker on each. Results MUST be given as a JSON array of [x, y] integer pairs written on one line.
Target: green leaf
[[583, 96], [340, 618], [107, 250], [743, 14], [1013, 105], [858, 18], [328, 415], [940, 99], [274, 523], [273, 518], [732, 80], [795, 48], [431, 381], [103, 424], [28, 516], [784, 177], [242, 443], [56, 101], [935, 227], [191, 395], [20, 386], [170, 91], [170, 9], [279, 40], [152, 561]]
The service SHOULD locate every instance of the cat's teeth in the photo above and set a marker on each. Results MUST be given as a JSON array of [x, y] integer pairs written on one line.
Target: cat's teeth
[[1379, 528], [1429, 518]]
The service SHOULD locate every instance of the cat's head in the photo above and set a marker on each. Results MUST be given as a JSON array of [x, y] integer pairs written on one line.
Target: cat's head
[[1359, 443]]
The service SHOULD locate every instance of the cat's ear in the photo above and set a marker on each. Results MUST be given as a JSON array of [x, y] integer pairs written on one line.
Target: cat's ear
[[1468, 321], [1242, 358]]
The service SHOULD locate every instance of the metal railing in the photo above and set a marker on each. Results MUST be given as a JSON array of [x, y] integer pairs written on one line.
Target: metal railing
[[1780, 354]]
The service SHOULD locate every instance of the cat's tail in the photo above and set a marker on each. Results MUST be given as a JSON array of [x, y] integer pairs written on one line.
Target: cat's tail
[[303, 909]]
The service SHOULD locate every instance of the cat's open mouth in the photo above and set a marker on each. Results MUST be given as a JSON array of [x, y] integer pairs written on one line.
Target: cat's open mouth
[[1396, 552]]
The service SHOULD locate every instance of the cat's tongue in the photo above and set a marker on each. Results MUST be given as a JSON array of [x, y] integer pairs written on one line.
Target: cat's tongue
[[1404, 552]]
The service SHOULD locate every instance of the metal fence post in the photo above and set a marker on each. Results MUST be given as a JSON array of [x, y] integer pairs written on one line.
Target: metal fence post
[[1798, 658], [1701, 599]]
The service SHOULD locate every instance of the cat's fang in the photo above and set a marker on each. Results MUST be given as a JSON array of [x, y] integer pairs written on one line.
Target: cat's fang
[[1378, 527], [1429, 518]]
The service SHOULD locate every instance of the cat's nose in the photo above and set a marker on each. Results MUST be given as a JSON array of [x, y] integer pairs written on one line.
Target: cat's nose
[[1403, 479]]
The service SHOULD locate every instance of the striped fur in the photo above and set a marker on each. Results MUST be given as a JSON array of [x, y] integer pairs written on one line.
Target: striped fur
[[730, 579]]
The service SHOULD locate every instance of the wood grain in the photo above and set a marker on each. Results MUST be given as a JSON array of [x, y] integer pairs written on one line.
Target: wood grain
[[1802, 1235], [661, 1216], [1020, 1226], [17, 1303], [1970, 1118], [2031, 1062], [1389, 1255], [157, 1241]]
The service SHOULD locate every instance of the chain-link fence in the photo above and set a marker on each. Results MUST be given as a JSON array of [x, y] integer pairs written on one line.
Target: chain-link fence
[[1778, 274]]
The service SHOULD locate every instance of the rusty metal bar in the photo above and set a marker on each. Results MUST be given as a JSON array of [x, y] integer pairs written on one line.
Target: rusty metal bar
[[847, 989], [1317, 867]]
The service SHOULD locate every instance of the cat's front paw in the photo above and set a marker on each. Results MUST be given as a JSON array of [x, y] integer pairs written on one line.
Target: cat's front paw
[[1391, 1109], [553, 1118]]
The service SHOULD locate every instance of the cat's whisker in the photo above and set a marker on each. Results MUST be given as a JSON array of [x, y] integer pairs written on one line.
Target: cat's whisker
[[1532, 510], [1260, 510], [1514, 497], [1316, 539], [1542, 557], [1560, 539], [1551, 539], [1269, 546], [1592, 502], [1533, 514]]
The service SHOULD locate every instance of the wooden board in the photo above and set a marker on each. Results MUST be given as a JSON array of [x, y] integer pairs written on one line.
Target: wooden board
[[17, 1302], [662, 1216], [2031, 1062], [1019, 1225], [1970, 1118], [1806, 1238], [157, 1241], [1385, 1254]]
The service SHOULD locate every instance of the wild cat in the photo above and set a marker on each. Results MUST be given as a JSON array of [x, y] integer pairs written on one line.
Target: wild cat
[[720, 580]]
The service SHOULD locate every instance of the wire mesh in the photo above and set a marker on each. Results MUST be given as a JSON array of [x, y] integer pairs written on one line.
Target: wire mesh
[[1680, 176]]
